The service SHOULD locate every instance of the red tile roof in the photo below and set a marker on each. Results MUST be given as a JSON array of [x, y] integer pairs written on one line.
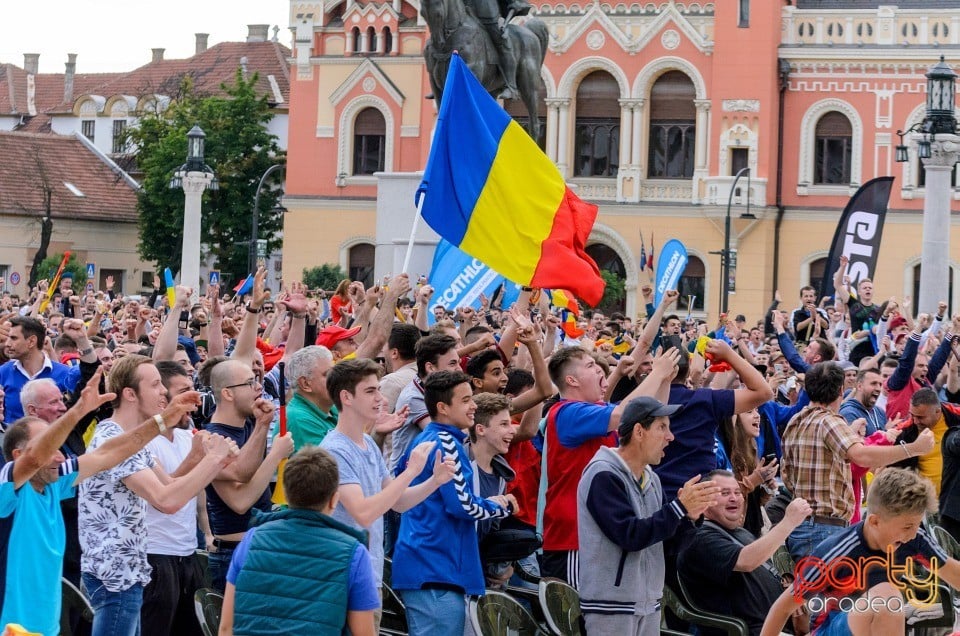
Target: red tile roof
[[209, 69], [63, 159]]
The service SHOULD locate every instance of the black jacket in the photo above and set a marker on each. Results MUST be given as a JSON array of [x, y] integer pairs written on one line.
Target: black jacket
[[950, 448]]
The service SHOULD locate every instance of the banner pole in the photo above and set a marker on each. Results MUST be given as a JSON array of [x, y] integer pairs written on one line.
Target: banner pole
[[413, 234]]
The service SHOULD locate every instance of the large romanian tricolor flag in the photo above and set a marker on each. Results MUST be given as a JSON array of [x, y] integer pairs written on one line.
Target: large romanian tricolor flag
[[494, 194]]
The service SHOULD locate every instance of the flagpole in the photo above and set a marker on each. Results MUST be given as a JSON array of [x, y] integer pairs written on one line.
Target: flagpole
[[413, 234]]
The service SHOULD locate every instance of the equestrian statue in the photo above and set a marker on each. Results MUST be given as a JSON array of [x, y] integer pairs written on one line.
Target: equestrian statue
[[505, 59]]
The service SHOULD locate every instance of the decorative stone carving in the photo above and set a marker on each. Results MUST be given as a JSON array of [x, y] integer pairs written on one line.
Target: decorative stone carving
[[595, 39], [741, 105], [369, 84], [670, 39]]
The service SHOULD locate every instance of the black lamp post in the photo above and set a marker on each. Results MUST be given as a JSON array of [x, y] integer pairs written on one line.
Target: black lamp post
[[939, 118], [727, 255], [254, 230]]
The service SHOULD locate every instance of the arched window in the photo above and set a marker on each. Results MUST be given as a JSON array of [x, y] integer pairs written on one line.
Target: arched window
[[361, 263], [692, 283], [673, 127], [371, 40], [357, 44], [516, 109], [369, 142], [608, 260], [387, 40], [834, 149], [817, 272], [597, 126]]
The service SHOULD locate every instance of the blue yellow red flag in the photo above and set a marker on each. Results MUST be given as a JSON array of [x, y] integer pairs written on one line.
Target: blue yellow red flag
[[492, 192]]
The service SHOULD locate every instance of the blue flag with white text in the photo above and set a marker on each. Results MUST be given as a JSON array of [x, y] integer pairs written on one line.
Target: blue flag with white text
[[458, 279], [670, 266]]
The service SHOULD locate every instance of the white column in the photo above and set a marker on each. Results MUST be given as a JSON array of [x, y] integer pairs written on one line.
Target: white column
[[703, 132], [350, 43], [563, 137], [363, 41], [381, 43], [553, 112], [194, 183], [626, 126], [636, 158], [935, 254]]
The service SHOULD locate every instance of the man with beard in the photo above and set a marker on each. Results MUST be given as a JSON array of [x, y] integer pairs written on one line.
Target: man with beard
[[862, 403], [172, 537], [240, 413], [578, 425], [113, 502]]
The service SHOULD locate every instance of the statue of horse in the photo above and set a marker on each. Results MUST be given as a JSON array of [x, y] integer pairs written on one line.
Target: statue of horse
[[455, 27]]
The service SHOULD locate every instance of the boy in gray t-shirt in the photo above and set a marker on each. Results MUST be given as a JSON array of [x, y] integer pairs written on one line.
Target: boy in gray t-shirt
[[367, 490]]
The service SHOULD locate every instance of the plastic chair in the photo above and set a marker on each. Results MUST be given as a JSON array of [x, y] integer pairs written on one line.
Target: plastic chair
[[497, 614], [73, 599], [207, 604], [689, 613], [561, 608], [204, 558], [946, 541]]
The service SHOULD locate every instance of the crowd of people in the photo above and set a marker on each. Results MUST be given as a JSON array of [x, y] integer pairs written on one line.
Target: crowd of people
[[309, 442]]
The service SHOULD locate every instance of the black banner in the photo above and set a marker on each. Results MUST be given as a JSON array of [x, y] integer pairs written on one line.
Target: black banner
[[858, 234]]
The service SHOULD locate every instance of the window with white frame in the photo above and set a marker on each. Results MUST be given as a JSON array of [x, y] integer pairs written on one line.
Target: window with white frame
[[833, 150], [369, 142]]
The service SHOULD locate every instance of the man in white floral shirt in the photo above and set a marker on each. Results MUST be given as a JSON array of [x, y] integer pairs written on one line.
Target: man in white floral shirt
[[32, 483], [113, 502]]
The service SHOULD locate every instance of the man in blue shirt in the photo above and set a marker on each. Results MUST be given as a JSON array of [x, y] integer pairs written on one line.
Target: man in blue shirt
[[32, 535], [437, 558], [24, 348]]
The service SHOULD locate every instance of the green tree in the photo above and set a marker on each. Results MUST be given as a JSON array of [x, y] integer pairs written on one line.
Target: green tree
[[326, 276], [613, 294], [48, 267], [239, 149]]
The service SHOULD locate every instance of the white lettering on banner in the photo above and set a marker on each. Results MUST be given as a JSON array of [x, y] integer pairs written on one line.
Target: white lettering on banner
[[861, 229], [670, 274], [462, 282]]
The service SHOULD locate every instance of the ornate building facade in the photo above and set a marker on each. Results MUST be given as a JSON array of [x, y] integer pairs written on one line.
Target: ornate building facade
[[649, 109]]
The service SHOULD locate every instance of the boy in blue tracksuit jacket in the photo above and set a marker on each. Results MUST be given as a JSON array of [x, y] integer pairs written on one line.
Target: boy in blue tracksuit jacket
[[436, 560]]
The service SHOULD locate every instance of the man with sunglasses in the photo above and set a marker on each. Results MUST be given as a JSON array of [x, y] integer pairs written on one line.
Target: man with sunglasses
[[242, 415]]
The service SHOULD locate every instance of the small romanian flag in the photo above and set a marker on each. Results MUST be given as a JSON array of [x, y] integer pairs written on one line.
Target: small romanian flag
[[492, 192], [564, 300], [569, 325]]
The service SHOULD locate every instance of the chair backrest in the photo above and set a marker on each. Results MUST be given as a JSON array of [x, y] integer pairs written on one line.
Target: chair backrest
[[207, 605], [946, 541], [75, 603], [561, 607], [394, 617], [497, 614]]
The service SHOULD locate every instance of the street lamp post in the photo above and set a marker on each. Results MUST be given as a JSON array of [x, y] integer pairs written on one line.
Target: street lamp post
[[938, 147], [727, 257], [256, 251], [194, 177]]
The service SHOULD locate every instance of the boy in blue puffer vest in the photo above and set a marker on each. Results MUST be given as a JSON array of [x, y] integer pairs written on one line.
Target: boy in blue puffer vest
[[321, 565]]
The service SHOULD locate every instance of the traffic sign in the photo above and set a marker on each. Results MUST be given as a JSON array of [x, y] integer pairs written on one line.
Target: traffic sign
[[15, 278], [214, 277], [89, 285], [91, 271]]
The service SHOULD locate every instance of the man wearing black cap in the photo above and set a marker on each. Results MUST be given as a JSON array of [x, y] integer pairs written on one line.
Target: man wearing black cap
[[623, 518]]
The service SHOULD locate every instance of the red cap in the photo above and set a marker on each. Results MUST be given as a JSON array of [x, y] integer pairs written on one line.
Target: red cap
[[332, 335], [898, 321]]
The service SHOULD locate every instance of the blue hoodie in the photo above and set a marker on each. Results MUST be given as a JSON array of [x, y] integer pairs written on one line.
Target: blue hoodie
[[438, 539]]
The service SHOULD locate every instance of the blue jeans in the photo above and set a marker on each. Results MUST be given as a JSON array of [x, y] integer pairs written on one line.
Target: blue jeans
[[217, 565], [808, 536], [434, 612], [114, 613]]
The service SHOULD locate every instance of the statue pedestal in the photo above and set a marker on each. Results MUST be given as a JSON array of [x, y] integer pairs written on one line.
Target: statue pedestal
[[395, 214]]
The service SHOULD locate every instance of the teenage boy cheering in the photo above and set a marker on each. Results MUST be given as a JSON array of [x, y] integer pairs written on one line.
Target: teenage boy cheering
[[437, 560], [366, 489]]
